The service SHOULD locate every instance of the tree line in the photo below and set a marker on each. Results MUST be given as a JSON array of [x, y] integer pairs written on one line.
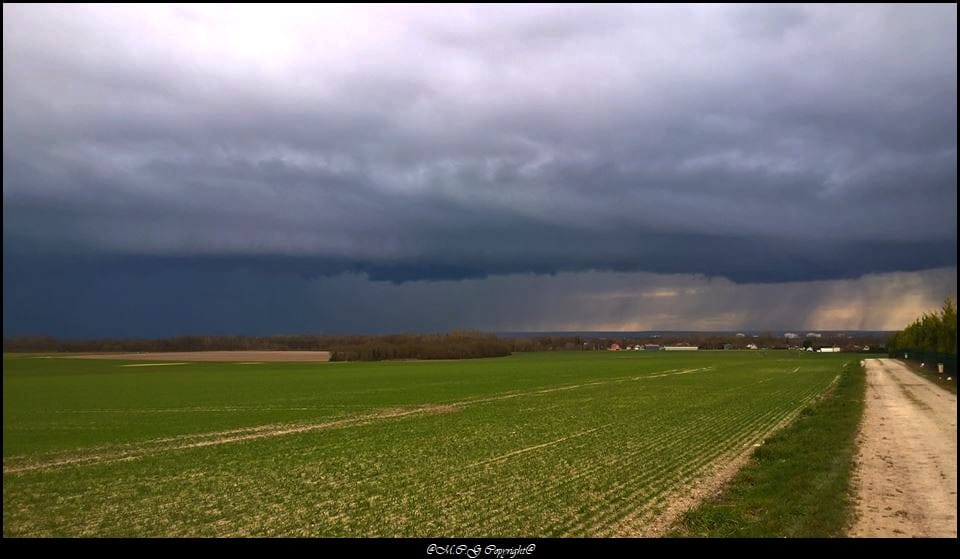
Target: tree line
[[933, 331], [451, 345], [460, 344]]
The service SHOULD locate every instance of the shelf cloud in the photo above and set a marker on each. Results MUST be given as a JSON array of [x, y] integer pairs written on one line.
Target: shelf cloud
[[478, 150]]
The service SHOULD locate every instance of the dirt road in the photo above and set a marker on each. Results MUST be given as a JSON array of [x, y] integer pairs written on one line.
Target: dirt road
[[906, 477]]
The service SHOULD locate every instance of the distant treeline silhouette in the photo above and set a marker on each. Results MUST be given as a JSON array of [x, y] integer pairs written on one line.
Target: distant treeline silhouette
[[464, 344], [452, 345]]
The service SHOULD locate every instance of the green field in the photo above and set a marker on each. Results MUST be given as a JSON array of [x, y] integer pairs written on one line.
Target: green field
[[556, 444]]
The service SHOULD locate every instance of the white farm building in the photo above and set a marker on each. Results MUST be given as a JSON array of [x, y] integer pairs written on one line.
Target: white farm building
[[681, 348]]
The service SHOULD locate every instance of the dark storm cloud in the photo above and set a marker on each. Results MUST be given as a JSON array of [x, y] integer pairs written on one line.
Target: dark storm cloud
[[760, 144], [98, 296]]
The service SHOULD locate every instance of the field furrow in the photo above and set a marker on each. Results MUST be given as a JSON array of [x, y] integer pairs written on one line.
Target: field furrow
[[561, 444]]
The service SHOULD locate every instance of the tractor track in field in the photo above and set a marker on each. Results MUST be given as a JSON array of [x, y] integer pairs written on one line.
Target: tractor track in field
[[227, 437], [133, 451], [618, 453], [708, 480]]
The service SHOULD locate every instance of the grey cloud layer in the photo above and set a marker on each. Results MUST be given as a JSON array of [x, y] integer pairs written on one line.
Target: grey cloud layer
[[755, 143]]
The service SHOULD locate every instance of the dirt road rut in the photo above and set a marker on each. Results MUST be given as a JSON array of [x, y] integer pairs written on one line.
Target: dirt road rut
[[906, 478]]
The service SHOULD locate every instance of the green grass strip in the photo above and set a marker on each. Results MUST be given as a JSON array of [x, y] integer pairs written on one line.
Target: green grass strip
[[930, 373], [796, 485]]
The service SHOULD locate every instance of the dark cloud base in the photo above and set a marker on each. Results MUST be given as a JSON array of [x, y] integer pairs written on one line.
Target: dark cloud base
[[96, 296], [740, 260]]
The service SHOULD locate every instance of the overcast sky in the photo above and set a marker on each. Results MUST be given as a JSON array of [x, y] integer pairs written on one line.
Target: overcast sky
[[261, 169]]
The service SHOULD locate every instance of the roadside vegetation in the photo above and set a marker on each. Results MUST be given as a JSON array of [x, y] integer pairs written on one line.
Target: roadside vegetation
[[932, 332], [928, 342], [929, 372], [797, 483]]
